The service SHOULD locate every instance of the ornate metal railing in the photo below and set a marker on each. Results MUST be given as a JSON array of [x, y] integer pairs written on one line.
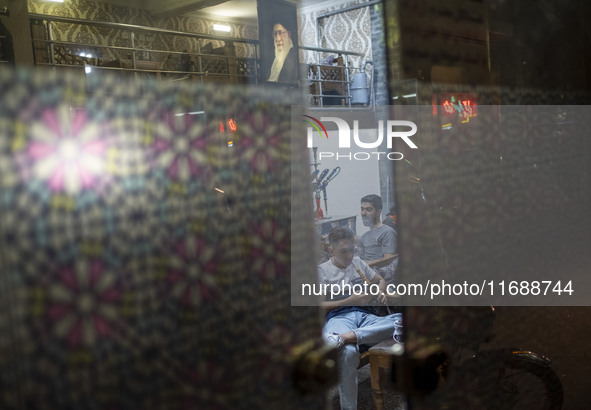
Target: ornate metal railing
[[142, 51]]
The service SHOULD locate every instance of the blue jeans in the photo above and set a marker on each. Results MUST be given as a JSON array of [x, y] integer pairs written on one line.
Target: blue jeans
[[370, 330]]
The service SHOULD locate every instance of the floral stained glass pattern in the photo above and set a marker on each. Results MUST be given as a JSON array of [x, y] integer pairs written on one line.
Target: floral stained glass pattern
[[142, 256], [82, 303], [67, 149], [180, 144]]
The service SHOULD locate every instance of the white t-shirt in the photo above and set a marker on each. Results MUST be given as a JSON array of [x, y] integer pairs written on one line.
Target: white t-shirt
[[330, 274]]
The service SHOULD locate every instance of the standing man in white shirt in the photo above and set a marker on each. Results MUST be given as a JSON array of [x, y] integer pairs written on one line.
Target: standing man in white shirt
[[378, 245]]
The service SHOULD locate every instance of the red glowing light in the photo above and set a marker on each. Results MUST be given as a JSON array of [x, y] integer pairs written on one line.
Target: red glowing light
[[464, 105], [232, 125]]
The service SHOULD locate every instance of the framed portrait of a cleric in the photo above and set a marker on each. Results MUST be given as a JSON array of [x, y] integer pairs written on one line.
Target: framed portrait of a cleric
[[278, 38]]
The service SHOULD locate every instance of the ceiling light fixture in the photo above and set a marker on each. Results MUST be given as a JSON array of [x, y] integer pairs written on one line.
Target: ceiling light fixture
[[222, 27], [56, 1]]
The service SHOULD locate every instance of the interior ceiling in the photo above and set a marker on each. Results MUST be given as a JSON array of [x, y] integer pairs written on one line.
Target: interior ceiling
[[170, 8], [242, 9], [234, 9]]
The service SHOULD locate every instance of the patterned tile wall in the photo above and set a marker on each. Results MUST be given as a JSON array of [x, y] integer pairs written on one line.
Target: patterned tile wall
[[349, 31], [97, 11]]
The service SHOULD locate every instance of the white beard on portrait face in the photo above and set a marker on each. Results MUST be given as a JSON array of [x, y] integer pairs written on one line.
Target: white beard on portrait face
[[280, 56]]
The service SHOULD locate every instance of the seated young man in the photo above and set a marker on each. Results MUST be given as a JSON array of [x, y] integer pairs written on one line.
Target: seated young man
[[349, 323]]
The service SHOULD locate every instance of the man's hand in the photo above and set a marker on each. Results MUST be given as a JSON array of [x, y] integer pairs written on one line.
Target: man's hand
[[384, 297]]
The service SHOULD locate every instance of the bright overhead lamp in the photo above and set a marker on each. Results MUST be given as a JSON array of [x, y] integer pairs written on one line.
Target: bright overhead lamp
[[181, 114], [56, 1], [222, 27]]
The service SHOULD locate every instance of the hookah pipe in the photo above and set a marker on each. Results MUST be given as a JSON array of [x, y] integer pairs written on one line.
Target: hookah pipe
[[365, 279], [320, 181], [319, 213], [332, 175], [314, 174]]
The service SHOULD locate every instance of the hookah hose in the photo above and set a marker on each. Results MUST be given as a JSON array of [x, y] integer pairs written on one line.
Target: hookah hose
[[365, 279], [361, 274]]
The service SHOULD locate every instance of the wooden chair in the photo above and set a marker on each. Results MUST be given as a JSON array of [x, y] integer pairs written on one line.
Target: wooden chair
[[363, 359], [380, 359]]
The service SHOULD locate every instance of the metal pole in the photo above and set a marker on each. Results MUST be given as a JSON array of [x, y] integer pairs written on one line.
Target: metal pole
[[331, 50], [372, 91], [348, 84], [199, 62], [129, 27], [320, 97], [256, 66], [133, 54], [50, 38]]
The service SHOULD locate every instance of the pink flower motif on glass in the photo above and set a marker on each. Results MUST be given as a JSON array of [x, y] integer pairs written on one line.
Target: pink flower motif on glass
[[270, 250], [180, 145], [67, 150], [83, 303], [193, 271], [261, 142]]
